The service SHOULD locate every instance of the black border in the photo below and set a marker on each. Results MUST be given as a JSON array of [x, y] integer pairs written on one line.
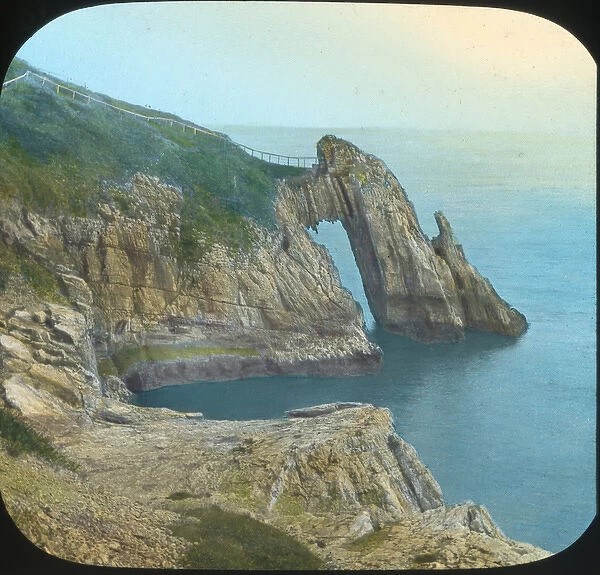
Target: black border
[[23, 18]]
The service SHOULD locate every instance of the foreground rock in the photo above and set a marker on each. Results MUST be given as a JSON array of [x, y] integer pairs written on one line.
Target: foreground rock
[[457, 537], [73, 519], [336, 477]]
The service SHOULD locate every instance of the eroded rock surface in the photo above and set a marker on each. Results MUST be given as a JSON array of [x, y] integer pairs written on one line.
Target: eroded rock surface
[[336, 477], [482, 307], [416, 287], [285, 306], [282, 300]]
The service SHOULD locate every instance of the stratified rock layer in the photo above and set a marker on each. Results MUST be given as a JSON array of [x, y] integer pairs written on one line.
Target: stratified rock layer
[[416, 287], [482, 308], [336, 477], [282, 301], [285, 307]]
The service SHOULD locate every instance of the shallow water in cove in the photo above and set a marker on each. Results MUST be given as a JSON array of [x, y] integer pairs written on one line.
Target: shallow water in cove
[[508, 423]]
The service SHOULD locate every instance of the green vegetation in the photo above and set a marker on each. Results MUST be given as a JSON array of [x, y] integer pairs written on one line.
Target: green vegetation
[[57, 388], [106, 367], [63, 155], [42, 281], [224, 540], [288, 505], [370, 541], [128, 356], [425, 558], [181, 495], [18, 438], [239, 486]]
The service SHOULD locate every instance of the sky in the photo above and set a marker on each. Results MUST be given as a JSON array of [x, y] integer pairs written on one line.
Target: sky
[[328, 65]]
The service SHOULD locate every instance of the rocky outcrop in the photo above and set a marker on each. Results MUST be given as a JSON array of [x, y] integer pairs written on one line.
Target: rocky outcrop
[[482, 308], [334, 357], [282, 300], [324, 409], [336, 477], [285, 305], [416, 287], [457, 537], [48, 363]]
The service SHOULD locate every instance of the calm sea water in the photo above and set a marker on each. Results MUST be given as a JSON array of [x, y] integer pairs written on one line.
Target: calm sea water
[[508, 423]]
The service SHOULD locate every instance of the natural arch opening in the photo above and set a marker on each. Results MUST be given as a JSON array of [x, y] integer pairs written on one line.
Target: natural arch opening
[[334, 237]]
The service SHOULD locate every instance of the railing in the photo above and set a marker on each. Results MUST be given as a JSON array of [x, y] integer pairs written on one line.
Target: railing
[[298, 161], [280, 159]]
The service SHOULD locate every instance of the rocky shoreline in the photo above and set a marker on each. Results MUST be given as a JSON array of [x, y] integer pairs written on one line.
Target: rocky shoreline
[[336, 478], [144, 376], [129, 315], [282, 299]]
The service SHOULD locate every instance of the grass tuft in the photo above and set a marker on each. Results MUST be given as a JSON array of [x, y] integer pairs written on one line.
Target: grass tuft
[[42, 281], [180, 495], [225, 540], [19, 438]]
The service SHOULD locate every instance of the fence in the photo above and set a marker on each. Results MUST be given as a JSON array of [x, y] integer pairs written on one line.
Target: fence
[[298, 161], [280, 159]]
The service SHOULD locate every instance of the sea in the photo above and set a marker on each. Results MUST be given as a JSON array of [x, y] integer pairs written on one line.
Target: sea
[[509, 423]]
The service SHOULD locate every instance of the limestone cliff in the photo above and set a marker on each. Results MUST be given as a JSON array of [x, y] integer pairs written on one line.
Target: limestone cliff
[[283, 309], [275, 308], [95, 306]]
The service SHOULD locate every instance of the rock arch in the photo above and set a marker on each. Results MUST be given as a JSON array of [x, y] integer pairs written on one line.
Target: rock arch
[[421, 288]]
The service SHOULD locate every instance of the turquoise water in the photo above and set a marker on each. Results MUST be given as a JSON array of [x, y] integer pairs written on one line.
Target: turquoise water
[[508, 423]]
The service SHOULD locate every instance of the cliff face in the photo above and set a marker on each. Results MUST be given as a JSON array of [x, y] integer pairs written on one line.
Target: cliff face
[[131, 266], [285, 308], [336, 477], [416, 287], [276, 308]]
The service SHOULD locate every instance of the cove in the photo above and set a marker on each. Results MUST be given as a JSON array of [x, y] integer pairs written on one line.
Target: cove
[[470, 418], [508, 423]]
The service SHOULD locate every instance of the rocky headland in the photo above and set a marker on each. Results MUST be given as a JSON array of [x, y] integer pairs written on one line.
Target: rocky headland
[[336, 477], [129, 314], [277, 308], [421, 288]]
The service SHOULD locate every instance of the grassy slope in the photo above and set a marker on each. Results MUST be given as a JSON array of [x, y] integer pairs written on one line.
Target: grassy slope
[[58, 154]]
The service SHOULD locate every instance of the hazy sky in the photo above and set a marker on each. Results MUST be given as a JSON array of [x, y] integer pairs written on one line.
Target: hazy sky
[[328, 65]]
